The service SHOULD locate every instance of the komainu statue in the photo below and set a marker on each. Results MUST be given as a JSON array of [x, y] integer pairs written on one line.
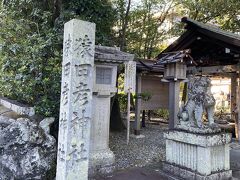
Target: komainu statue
[[200, 99]]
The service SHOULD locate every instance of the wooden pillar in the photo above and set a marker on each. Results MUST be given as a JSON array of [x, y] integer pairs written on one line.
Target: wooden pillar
[[149, 115], [174, 88], [233, 95], [234, 98], [143, 118], [137, 123], [237, 122]]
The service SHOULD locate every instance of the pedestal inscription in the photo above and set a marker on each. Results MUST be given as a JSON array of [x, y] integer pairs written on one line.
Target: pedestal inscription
[[76, 98]]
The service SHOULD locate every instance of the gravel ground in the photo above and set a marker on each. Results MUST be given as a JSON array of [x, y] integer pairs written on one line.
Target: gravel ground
[[139, 152]]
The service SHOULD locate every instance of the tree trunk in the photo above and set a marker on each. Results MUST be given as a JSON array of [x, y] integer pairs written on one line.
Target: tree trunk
[[57, 9], [116, 123], [124, 28]]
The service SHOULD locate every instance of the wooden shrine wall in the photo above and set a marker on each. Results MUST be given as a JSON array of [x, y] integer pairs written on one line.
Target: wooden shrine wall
[[159, 91]]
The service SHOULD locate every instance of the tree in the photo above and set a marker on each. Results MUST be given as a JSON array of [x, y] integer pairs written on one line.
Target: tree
[[123, 9], [31, 46], [141, 28], [101, 12], [224, 13]]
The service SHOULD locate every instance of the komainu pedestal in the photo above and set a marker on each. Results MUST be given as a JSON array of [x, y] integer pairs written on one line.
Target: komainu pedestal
[[198, 156], [197, 149]]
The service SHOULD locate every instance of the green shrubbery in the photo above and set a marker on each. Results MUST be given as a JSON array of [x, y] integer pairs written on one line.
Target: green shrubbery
[[30, 58], [161, 113], [122, 98], [31, 47]]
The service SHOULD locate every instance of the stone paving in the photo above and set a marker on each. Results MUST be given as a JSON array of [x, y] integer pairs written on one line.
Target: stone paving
[[140, 159], [140, 152]]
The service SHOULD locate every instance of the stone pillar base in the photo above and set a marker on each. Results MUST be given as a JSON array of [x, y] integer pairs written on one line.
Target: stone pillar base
[[101, 162], [198, 156], [191, 175], [136, 132]]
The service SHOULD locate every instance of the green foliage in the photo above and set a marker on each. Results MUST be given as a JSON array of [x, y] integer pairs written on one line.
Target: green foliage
[[31, 37], [152, 23], [31, 47], [146, 27], [30, 56], [100, 12], [224, 13], [146, 96], [122, 98], [161, 113], [121, 82]]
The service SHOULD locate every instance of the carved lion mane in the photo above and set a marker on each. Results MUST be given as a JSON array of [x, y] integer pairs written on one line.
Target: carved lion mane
[[200, 99]]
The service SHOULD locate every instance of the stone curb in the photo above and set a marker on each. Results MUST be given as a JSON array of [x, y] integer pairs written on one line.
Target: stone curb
[[19, 108]]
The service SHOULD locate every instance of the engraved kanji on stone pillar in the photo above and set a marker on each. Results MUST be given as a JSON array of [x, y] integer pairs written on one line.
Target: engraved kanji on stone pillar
[[76, 100]]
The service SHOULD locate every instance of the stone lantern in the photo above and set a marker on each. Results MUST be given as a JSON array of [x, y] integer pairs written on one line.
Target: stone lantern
[[106, 61]]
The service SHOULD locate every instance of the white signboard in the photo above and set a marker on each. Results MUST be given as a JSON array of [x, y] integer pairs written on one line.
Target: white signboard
[[130, 77]]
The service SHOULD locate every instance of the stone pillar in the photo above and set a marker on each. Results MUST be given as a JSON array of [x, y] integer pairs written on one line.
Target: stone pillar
[[101, 158], [137, 123], [174, 88], [76, 100]]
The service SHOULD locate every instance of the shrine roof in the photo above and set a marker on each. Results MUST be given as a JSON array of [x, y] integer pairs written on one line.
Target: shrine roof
[[209, 44], [229, 37], [149, 66], [111, 54], [176, 56]]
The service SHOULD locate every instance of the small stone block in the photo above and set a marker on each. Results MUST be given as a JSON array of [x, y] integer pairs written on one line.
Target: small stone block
[[137, 136]]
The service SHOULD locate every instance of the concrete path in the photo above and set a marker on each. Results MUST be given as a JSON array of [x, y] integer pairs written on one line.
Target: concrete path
[[138, 174]]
